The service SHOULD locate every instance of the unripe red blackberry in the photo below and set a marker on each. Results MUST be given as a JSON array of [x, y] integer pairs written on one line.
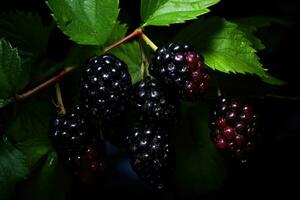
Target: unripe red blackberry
[[76, 142], [179, 67], [105, 87], [154, 104], [151, 154], [234, 127]]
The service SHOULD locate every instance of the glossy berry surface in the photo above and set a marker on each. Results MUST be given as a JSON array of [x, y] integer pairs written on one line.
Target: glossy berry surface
[[152, 156], [179, 67], [76, 142], [105, 87], [153, 103], [234, 127]]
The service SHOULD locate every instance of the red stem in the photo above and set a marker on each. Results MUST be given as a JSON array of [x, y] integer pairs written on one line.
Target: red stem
[[49, 82], [136, 32]]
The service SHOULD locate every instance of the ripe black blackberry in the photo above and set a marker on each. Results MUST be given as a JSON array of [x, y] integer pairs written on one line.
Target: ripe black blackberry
[[182, 69], [76, 142], [234, 127], [105, 87], [151, 154], [153, 103]]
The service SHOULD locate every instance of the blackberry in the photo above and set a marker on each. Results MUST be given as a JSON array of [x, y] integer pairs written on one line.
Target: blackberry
[[76, 142], [151, 154], [105, 87], [182, 69], [234, 127], [153, 103]]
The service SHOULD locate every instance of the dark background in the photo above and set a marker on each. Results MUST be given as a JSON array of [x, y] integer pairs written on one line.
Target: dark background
[[276, 171]]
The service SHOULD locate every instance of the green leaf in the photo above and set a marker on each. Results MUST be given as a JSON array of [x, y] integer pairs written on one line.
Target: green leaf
[[249, 25], [225, 47], [200, 167], [13, 167], [86, 21], [249, 34], [260, 21], [4, 102], [166, 12], [29, 131], [130, 54], [51, 181], [25, 31], [118, 33], [13, 77]]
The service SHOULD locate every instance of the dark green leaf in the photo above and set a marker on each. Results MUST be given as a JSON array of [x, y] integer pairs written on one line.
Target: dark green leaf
[[225, 47], [13, 167], [4, 102], [261, 21], [50, 182], [25, 31], [29, 131], [130, 54], [165, 12], [13, 77], [249, 25], [86, 21], [200, 167]]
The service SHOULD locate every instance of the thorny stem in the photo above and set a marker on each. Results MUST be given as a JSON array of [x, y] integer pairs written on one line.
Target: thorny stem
[[136, 32], [52, 80], [148, 42], [60, 102], [145, 62]]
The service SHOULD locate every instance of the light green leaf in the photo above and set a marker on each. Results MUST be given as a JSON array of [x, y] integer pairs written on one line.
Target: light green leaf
[[86, 21], [13, 167], [249, 34], [29, 131], [200, 167], [130, 54], [25, 31], [13, 77], [225, 47], [118, 33], [166, 12]]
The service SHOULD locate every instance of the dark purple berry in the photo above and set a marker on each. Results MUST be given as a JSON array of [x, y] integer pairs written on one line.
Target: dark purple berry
[[151, 154], [76, 142], [234, 127], [154, 104], [180, 68], [105, 87]]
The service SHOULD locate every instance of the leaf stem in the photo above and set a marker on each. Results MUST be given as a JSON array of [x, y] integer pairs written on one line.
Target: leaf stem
[[148, 41], [145, 62], [136, 32], [60, 102], [47, 83]]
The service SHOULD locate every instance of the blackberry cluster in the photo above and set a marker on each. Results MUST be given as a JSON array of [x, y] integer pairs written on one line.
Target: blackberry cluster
[[154, 104], [76, 142], [234, 127], [105, 87], [152, 157], [179, 67]]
